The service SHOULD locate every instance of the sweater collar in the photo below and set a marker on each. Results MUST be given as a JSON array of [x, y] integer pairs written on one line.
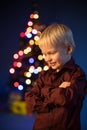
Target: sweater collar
[[68, 65]]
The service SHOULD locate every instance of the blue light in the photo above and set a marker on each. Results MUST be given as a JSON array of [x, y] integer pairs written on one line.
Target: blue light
[[35, 71], [20, 87], [31, 60]]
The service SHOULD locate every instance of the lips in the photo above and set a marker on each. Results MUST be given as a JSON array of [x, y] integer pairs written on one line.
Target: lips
[[51, 64]]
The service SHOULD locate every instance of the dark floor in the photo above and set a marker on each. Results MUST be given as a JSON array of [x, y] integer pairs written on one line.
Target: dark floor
[[84, 115], [9, 121], [16, 122]]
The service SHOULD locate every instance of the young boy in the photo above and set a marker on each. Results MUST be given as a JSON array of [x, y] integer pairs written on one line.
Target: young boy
[[58, 94]]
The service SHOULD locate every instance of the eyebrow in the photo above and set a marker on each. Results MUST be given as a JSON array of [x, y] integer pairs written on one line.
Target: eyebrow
[[52, 51]]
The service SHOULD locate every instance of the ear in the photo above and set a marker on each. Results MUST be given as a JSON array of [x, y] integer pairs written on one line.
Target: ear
[[69, 49]]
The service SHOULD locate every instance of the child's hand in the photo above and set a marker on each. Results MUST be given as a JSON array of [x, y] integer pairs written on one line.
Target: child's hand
[[64, 85]]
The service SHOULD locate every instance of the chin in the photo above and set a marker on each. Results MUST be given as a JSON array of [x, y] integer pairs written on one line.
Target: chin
[[54, 68]]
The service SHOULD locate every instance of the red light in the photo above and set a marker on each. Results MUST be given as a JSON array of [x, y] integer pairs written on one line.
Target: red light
[[32, 16], [22, 34], [15, 63], [16, 84], [20, 52], [19, 64]]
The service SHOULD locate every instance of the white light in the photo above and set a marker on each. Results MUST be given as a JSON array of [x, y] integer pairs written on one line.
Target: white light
[[28, 74], [45, 67], [35, 71], [34, 31], [20, 87], [28, 81], [31, 69], [29, 35], [39, 69], [12, 70]]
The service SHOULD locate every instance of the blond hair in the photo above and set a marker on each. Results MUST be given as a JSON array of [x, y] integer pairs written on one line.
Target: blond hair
[[57, 35]]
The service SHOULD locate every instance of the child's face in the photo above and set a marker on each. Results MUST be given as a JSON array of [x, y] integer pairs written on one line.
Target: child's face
[[55, 58]]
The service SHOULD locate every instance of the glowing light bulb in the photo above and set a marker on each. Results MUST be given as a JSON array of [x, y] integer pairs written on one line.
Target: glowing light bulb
[[31, 60], [39, 69], [16, 84], [36, 38], [29, 29], [19, 64], [30, 23], [28, 35], [27, 74], [36, 16], [40, 57], [46, 67], [35, 71], [12, 70], [28, 81], [31, 69], [22, 34], [20, 53], [31, 42], [27, 50], [34, 31], [31, 16], [15, 56], [20, 87]]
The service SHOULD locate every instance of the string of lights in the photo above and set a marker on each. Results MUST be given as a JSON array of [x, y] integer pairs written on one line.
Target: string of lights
[[28, 61]]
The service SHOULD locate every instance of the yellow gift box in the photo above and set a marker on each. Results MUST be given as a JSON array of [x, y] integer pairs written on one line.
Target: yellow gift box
[[18, 107]]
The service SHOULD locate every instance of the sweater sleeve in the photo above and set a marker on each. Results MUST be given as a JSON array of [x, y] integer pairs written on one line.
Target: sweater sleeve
[[73, 94], [33, 98]]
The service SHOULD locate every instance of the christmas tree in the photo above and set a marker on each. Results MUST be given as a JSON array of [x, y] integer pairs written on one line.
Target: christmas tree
[[28, 61]]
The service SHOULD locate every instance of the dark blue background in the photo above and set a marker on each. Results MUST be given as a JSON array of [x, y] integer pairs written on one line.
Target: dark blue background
[[14, 15], [14, 18]]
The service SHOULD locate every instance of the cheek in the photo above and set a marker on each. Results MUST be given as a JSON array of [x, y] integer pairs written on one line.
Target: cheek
[[56, 57], [59, 58]]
